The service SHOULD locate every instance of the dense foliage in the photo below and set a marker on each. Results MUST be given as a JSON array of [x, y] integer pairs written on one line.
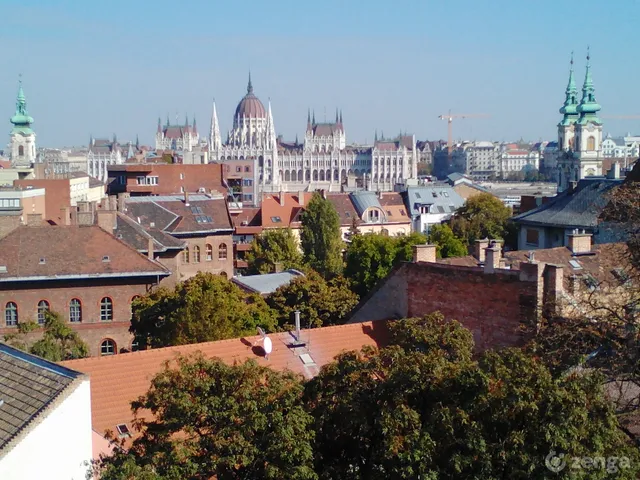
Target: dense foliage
[[320, 302], [204, 308], [274, 246], [482, 216], [59, 341], [423, 407], [321, 237], [446, 242], [371, 257]]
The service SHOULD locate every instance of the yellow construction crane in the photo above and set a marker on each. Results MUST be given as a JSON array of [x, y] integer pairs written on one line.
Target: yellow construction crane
[[449, 118]]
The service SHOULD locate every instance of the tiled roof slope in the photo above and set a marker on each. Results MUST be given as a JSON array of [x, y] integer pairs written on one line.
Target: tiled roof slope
[[172, 215], [343, 205], [579, 208], [55, 252], [117, 380], [137, 236], [289, 213], [28, 386]]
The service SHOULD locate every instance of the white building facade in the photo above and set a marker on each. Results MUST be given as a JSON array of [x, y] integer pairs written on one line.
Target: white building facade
[[182, 138], [101, 154]]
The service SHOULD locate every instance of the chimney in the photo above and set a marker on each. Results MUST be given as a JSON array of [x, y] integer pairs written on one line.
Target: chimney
[[492, 257], [150, 251], [479, 249], [186, 198], [113, 203], [574, 285], [380, 194], [281, 198], [107, 220], [122, 202], [86, 218], [301, 198], [297, 323], [614, 173], [65, 215], [277, 267], [34, 219], [424, 253], [323, 192], [553, 288], [579, 242], [73, 215], [573, 185]]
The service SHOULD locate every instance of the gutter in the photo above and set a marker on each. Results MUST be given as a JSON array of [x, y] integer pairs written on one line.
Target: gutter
[[85, 276]]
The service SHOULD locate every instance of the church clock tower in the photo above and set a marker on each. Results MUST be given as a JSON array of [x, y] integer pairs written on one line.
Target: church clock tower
[[22, 143]]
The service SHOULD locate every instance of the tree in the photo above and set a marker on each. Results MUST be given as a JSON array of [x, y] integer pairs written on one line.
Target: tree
[[447, 244], [213, 420], [271, 247], [425, 168], [482, 216], [321, 237], [59, 341], [205, 308], [426, 409], [319, 301], [371, 257], [353, 229]]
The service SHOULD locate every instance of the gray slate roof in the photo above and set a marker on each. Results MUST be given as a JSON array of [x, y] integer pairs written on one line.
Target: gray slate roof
[[267, 283], [363, 200], [28, 386], [137, 236], [443, 198], [573, 209]]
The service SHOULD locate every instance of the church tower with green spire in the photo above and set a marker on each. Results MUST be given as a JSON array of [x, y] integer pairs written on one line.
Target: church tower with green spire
[[22, 139], [580, 134]]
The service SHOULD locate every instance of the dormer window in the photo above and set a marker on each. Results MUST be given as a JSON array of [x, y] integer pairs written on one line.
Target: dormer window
[[42, 261], [106, 259]]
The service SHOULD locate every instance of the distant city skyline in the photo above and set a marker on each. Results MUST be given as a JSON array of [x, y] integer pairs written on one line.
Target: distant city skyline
[[391, 67]]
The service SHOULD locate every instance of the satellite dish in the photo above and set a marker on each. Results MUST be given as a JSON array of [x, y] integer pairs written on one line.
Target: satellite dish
[[268, 346]]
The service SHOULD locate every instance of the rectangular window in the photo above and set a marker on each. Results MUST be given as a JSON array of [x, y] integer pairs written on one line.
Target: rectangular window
[[140, 180], [122, 180], [247, 197], [532, 237], [238, 169], [276, 219], [247, 182], [247, 169]]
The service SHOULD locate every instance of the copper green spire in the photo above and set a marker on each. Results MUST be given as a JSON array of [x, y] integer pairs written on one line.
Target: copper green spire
[[588, 108], [570, 107], [21, 120], [249, 85]]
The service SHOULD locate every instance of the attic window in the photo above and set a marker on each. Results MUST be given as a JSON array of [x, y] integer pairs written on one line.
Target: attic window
[[389, 212], [435, 195], [418, 195], [203, 219], [621, 275], [445, 194], [106, 259], [347, 214], [196, 210], [440, 208], [43, 261], [402, 212], [276, 219], [123, 430], [575, 264], [307, 360], [590, 282], [3, 269]]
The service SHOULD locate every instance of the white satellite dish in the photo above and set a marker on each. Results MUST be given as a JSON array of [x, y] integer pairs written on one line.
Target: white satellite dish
[[267, 345]]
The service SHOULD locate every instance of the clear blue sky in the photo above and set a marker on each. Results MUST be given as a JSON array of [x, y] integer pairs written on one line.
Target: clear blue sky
[[102, 67]]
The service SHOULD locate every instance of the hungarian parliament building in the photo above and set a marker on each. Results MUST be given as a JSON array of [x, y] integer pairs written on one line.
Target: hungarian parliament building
[[322, 161]]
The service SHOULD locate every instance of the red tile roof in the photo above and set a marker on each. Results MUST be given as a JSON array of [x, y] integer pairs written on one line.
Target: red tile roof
[[119, 379], [289, 213], [343, 205], [55, 252]]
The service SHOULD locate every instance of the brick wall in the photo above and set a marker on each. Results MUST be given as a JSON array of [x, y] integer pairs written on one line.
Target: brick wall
[[57, 195], [92, 330], [492, 305], [8, 223], [215, 265]]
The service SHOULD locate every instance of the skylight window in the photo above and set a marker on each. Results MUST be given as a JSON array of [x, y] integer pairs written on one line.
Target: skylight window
[[196, 210], [418, 195], [347, 214], [307, 360], [276, 219], [440, 209], [435, 195], [123, 430], [203, 219], [106, 259], [575, 264]]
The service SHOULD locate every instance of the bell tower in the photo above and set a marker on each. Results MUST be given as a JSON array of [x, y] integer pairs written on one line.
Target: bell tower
[[22, 139]]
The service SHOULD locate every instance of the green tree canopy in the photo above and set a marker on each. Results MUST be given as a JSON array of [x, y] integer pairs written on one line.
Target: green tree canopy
[[319, 301], [204, 308], [271, 247], [213, 420], [446, 242], [321, 237], [59, 341], [482, 216], [371, 257], [426, 409]]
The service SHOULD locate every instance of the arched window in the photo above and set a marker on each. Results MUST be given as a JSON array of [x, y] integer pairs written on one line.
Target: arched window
[[591, 143], [196, 254], [222, 251], [185, 255], [43, 308], [209, 250], [21, 151], [108, 347], [106, 309], [224, 274], [135, 297], [11, 314], [75, 311]]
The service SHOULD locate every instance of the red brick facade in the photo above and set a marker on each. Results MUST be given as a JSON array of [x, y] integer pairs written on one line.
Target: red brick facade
[[27, 295], [220, 260]]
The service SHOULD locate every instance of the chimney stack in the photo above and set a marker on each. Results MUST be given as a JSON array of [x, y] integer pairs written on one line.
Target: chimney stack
[[301, 198], [277, 267], [34, 219], [186, 198], [492, 257], [150, 249], [65, 214], [579, 242], [281, 198], [297, 323], [424, 253], [107, 220], [479, 249]]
